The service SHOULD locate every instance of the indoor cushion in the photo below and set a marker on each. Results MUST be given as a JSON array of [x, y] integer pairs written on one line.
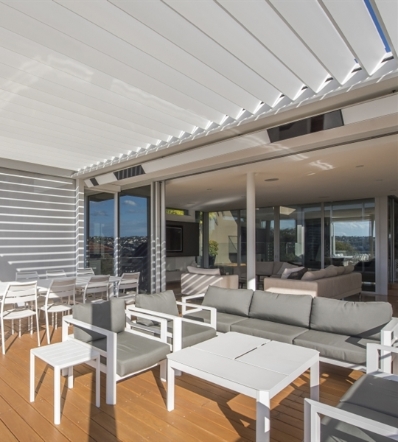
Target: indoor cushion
[[284, 265], [233, 301], [348, 269], [201, 271], [286, 273], [314, 275], [109, 315], [224, 320], [282, 308], [330, 271], [339, 270], [298, 275], [135, 353], [164, 302], [364, 319], [264, 268], [268, 330], [331, 345]]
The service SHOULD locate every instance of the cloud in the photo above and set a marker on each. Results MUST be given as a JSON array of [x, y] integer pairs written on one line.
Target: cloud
[[130, 202], [100, 213]]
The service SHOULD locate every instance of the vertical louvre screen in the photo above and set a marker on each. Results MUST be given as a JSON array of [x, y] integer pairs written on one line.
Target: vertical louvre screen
[[37, 223]]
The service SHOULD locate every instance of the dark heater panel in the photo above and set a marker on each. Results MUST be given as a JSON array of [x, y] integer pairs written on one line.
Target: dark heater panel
[[306, 126], [129, 173]]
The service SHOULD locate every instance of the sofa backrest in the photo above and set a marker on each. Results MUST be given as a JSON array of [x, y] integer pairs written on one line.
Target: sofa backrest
[[282, 308], [362, 319], [108, 314], [232, 301]]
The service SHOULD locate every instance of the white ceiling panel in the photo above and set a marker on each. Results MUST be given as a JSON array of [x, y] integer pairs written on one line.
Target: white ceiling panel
[[132, 31], [51, 38], [356, 24], [263, 22], [217, 24], [387, 11], [313, 26], [70, 30], [171, 25]]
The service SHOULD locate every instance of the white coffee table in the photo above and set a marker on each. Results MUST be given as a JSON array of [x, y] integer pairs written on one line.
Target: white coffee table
[[249, 365]]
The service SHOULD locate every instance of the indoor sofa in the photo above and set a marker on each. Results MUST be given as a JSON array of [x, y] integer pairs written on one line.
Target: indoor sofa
[[196, 280], [339, 330]]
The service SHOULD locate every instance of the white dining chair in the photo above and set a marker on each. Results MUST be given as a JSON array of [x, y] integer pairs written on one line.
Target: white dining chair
[[19, 302], [127, 283], [55, 274], [26, 275]]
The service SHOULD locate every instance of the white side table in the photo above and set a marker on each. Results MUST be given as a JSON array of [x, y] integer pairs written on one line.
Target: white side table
[[65, 354]]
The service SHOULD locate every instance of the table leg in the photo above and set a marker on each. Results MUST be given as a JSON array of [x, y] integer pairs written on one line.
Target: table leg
[[32, 377], [70, 377], [57, 396], [314, 381], [263, 426], [170, 387], [97, 381]]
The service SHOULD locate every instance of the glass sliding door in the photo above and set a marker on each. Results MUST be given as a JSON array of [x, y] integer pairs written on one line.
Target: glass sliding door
[[350, 228], [134, 234], [291, 234], [265, 234], [312, 236], [393, 239], [101, 233]]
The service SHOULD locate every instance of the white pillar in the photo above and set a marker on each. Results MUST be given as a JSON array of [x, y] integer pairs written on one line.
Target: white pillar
[[251, 231]]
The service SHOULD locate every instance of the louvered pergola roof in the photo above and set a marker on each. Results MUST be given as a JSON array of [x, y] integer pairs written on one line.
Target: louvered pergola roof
[[84, 83]]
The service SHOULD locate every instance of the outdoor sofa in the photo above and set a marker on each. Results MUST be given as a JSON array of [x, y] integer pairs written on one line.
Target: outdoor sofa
[[339, 330]]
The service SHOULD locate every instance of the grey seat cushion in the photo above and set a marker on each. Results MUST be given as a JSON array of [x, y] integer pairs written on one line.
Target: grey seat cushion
[[194, 333], [108, 314], [331, 345], [224, 320], [268, 330], [135, 353], [281, 308], [364, 319], [372, 397], [232, 301]]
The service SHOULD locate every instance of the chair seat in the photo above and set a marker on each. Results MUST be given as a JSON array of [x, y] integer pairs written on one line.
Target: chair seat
[[18, 313], [194, 334], [57, 308], [135, 353]]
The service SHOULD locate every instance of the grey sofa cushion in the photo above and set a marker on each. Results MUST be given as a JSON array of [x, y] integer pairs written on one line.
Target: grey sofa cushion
[[233, 301], [108, 314], [282, 308], [135, 353], [331, 345], [164, 302], [268, 330], [224, 320], [364, 319], [194, 333]]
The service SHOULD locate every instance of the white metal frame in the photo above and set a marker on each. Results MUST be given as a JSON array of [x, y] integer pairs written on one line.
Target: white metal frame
[[111, 344]]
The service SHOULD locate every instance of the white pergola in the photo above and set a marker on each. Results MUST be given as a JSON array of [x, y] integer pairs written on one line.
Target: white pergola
[[85, 84]]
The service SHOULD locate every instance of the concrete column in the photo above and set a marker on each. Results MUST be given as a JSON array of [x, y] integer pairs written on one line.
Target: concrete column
[[251, 230], [205, 232]]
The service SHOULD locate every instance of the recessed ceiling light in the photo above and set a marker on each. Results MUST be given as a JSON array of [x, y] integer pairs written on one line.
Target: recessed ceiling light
[[209, 189], [312, 173], [272, 179], [360, 165], [379, 179], [323, 196]]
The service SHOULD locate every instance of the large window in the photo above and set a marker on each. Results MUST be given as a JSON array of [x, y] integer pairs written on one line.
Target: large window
[[101, 233], [291, 234], [134, 233]]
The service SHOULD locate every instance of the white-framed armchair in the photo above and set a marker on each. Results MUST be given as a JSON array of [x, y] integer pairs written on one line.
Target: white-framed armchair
[[128, 351], [369, 409]]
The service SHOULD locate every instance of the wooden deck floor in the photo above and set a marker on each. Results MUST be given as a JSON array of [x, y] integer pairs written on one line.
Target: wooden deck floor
[[203, 411]]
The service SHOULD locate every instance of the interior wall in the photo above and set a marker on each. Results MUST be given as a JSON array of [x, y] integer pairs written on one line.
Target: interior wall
[[37, 223]]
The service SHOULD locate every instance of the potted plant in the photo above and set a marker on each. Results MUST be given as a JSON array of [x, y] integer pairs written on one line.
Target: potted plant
[[213, 251]]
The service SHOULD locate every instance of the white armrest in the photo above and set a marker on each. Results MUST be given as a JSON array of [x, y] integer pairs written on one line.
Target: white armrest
[[187, 298], [373, 358], [389, 336], [198, 308], [312, 421]]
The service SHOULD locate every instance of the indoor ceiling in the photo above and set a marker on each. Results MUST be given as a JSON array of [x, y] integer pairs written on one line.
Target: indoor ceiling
[[84, 84], [363, 169]]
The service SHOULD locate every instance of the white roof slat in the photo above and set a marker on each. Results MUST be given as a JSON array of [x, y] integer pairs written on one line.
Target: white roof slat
[[132, 31], [49, 37], [171, 25], [356, 24], [310, 22], [24, 82], [10, 100], [387, 12], [261, 20], [212, 19]]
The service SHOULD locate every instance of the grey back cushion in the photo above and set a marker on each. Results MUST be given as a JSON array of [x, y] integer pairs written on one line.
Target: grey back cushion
[[164, 302], [232, 301], [108, 314], [363, 319], [282, 308]]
